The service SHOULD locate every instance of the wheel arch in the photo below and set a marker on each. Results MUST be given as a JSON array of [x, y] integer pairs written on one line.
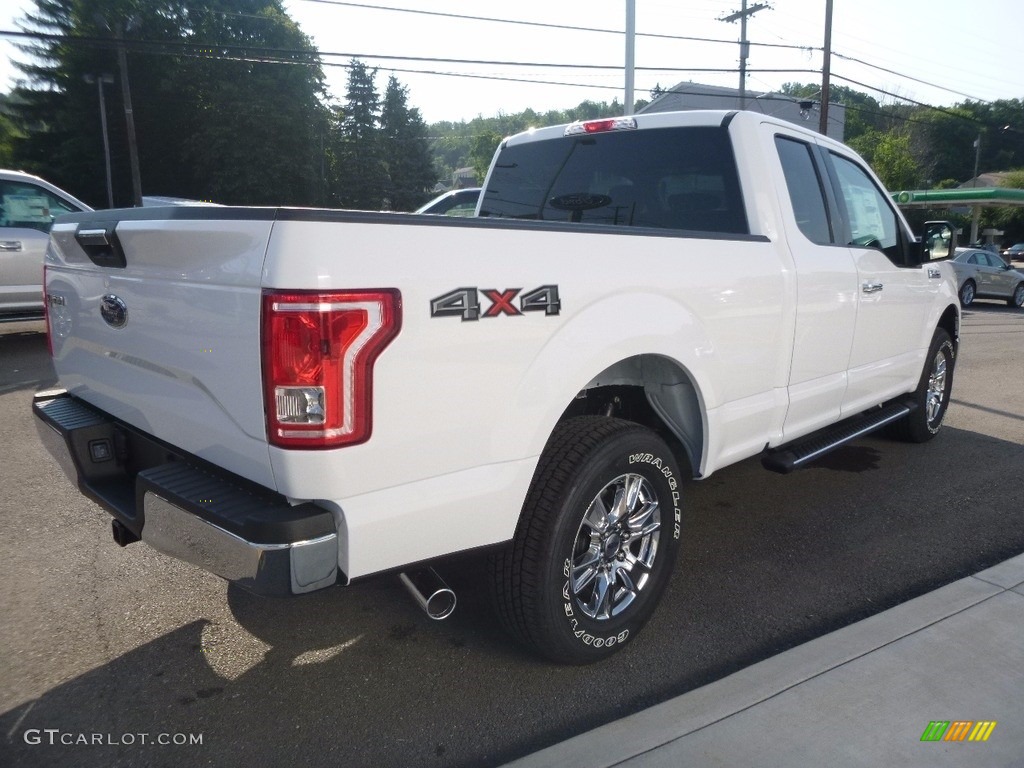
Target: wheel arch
[[950, 322], [655, 391]]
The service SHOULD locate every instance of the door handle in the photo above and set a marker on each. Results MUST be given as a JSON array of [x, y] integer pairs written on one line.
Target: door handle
[[871, 287], [10, 246]]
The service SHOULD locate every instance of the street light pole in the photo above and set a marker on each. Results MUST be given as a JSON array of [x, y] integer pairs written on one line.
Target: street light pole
[[100, 81], [977, 157]]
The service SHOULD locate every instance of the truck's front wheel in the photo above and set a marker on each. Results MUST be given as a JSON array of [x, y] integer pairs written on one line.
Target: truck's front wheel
[[595, 544], [933, 393]]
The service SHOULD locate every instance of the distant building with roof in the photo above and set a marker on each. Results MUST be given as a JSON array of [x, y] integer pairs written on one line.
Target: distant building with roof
[[687, 96]]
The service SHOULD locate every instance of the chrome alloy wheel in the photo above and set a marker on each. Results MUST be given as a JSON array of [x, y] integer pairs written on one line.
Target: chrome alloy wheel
[[935, 396], [615, 547]]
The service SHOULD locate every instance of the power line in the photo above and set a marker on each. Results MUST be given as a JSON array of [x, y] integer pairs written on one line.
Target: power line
[[907, 77], [544, 25], [278, 54], [305, 57], [943, 110]]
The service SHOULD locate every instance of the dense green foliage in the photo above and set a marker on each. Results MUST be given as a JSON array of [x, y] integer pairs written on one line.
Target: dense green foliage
[[209, 114], [229, 105]]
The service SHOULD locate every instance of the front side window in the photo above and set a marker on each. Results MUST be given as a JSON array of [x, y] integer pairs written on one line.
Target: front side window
[[670, 178], [29, 206], [873, 223]]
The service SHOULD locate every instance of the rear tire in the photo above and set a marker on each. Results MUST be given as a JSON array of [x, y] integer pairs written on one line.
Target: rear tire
[[1017, 299], [932, 393], [596, 542]]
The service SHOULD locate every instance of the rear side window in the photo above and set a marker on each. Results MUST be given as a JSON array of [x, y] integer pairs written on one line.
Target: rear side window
[[670, 178], [805, 190]]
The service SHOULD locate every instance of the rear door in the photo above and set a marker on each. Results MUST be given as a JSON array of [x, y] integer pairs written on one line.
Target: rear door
[[826, 294]]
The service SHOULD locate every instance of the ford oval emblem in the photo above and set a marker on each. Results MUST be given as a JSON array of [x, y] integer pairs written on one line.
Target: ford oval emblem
[[114, 311]]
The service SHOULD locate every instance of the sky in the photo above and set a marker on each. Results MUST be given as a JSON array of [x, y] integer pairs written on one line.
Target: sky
[[932, 51]]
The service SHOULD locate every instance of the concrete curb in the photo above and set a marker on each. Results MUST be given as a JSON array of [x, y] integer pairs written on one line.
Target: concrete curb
[[860, 696]]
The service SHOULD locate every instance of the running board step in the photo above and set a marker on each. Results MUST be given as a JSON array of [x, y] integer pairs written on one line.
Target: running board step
[[786, 458]]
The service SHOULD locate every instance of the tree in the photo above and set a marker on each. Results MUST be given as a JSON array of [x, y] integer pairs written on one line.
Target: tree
[[890, 156], [8, 134], [943, 143], [360, 176], [255, 130], [217, 117], [409, 162], [482, 153]]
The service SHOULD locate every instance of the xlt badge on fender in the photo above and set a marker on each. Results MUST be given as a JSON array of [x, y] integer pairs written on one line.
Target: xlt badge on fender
[[465, 302], [114, 311]]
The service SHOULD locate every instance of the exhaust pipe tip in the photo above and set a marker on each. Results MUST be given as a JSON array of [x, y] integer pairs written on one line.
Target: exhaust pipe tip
[[430, 592]]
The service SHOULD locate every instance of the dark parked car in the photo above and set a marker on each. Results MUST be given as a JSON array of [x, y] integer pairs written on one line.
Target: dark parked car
[[1014, 252], [985, 275]]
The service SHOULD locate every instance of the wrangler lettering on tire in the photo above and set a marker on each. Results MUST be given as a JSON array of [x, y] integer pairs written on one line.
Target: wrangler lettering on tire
[[596, 542]]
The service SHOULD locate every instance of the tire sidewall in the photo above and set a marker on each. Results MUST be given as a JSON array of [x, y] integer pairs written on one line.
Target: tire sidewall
[[967, 300], [941, 345], [577, 636]]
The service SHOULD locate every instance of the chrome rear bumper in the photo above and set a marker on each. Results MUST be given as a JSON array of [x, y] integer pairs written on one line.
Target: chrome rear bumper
[[219, 522]]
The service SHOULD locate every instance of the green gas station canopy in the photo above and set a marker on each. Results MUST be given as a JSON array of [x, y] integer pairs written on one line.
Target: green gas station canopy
[[985, 197]]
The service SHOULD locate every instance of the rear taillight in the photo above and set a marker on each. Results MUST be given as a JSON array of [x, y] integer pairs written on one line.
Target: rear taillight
[[318, 355]]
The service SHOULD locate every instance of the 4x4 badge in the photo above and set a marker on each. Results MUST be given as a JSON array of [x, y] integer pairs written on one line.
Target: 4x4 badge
[[465, 302]]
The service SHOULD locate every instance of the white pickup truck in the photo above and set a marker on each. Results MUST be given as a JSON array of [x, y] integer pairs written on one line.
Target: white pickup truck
[[294, 399]]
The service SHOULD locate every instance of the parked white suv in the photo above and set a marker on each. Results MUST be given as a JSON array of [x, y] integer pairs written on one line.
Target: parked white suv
[[28, 206]]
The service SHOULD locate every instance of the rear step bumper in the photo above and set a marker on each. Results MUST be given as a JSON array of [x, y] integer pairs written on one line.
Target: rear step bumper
[[791, 456], [221, 523]]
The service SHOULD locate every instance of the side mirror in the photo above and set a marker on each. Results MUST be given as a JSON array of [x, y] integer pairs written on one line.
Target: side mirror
[[939, 241]]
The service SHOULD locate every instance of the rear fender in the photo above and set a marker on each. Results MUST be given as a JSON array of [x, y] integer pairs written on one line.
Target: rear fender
[[639, 339]]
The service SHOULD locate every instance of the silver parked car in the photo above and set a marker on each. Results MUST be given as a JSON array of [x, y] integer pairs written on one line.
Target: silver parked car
[[28, 206], [984, 275]]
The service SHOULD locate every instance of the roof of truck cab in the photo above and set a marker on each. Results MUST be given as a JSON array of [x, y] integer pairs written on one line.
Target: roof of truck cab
[[699, 117]]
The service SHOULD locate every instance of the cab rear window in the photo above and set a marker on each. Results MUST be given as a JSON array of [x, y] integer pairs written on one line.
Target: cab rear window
[[668, 178]]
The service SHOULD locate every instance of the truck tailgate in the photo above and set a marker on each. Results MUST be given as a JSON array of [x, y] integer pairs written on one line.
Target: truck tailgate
[[169, 342]]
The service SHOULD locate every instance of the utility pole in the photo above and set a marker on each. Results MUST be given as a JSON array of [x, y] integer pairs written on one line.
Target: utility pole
[[117, 31], [100, 81], [742, 15], [630, 54], [129, 116], [826, 73]]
